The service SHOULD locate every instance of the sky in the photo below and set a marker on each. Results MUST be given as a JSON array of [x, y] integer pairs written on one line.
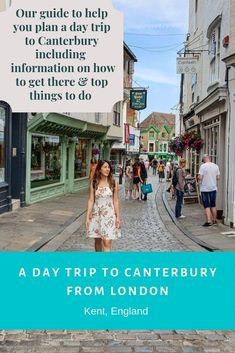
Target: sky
[[155, 30]]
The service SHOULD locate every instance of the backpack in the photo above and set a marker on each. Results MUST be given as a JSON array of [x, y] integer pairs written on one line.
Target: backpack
[[175, 178], [161, 168]]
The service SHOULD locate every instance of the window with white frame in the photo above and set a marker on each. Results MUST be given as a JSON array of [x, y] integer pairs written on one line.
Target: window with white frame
[[97, 117], [211, 137], [117, 114], [214, 54], [194, 85]]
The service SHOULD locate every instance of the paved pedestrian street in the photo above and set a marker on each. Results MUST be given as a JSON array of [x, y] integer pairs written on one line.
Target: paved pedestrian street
[[142, 228]]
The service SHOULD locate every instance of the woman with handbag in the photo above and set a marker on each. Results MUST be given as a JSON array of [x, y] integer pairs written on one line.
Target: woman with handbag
[[103, 214]]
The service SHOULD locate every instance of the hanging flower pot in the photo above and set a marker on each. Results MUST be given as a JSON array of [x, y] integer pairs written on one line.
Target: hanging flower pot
[[186, 141], [177, 146]]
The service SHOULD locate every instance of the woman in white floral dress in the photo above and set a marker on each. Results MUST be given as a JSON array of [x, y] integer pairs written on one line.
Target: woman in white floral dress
[[103, 214]]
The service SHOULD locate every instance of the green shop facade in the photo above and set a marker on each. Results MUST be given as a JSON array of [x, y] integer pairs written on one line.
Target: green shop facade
[[154, 142], [59, 150]]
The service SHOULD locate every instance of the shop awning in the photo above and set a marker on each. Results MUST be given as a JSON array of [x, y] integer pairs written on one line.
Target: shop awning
[[61, 125]]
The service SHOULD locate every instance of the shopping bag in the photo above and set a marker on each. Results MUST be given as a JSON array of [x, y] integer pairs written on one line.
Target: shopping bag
[[146, 188]]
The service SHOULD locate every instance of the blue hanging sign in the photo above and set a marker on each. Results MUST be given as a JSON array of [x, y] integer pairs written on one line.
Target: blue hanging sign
[[138, 99]]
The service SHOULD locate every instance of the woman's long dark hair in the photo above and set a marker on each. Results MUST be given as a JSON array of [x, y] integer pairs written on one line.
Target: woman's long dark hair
[[97, 175]]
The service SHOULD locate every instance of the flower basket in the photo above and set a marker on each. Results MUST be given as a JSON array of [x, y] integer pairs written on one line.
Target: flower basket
[[177, 146], [186, 141]]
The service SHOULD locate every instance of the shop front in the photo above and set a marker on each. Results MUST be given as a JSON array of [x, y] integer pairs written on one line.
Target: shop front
[[12, 158], [58, 155], [212, 113]]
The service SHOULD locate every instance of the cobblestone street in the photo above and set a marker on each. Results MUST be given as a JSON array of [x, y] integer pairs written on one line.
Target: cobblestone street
[[142, 229], [117, 341]]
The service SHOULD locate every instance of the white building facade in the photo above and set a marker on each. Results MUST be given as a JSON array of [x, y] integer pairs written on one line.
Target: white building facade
[[208, 100]]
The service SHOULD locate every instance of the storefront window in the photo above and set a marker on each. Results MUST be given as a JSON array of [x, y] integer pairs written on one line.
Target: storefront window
[[211, 133], [81, 154], [45, 160], [2, 128], [117, 114]]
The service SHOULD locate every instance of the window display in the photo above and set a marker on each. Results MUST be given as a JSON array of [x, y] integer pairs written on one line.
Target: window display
[[45, 160]]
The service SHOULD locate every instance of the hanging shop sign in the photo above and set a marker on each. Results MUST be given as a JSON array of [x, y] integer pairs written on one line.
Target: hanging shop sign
[[127, 133], [132, 139], [138, 99], [186, 65]]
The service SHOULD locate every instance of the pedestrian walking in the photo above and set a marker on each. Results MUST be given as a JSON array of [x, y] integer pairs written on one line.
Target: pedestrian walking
[[180, 184], [144, 176], [103, 214], [154, 165], [137, 180], [161, 171], [208, 177], [147, 164], [168, 170], [129, 179], [120, 173]]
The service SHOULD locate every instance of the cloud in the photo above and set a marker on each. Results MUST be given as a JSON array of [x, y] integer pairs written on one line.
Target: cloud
[[155, 76]]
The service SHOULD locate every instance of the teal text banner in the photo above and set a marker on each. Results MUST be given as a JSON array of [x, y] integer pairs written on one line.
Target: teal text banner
[[117, 291]]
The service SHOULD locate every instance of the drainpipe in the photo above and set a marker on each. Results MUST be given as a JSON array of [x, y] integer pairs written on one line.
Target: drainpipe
[[181, 101]]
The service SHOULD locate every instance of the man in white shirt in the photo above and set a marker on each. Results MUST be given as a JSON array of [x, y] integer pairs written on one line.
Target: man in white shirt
[[209, 174]]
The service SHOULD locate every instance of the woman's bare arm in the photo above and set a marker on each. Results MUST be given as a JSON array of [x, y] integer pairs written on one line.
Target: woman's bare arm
[[90, 203], [116, 206]]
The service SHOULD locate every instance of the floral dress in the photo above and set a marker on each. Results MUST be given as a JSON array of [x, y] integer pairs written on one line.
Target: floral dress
[[102, 223]]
